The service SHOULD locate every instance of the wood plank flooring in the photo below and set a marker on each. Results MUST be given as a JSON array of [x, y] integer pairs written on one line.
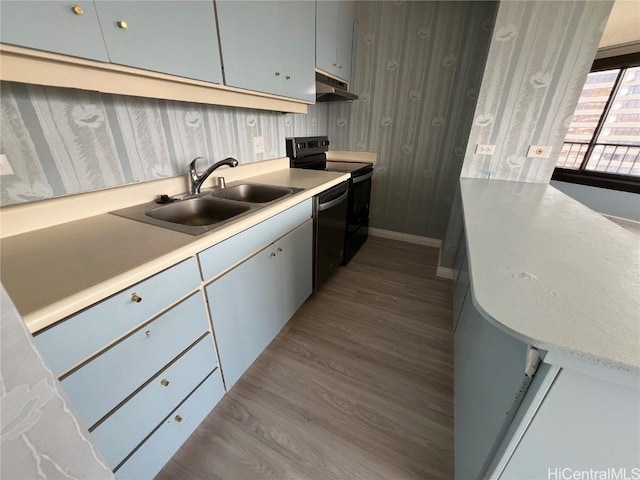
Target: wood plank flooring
[[358, 385]]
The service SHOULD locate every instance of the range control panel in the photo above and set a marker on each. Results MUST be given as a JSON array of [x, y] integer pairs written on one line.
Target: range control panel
[[298, 147]]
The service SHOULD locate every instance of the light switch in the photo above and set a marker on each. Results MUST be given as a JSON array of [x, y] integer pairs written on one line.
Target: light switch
[[258, 145]]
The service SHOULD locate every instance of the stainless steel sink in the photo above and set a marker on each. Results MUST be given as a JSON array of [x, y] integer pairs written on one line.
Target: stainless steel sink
[[254, 193], [197, 212], [193, 215]]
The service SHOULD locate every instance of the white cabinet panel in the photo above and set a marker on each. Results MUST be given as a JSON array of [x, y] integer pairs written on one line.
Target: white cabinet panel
[[250, 304], [268, 46], [244, 312], [224, 255], [70, 28], [110, 378], [334, 38], [584, 423], [489, 378], [84, 334], [123, 431], [176, 37], [153, 454], [294, 269]]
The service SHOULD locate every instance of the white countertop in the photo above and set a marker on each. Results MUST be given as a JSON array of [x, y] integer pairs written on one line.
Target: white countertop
[[553, 273], [53, 272]]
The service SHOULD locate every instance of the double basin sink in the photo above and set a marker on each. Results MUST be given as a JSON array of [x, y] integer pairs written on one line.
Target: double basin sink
[[199, 214]]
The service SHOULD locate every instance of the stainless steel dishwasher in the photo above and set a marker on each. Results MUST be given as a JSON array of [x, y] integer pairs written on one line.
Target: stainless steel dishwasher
[[330, 223]]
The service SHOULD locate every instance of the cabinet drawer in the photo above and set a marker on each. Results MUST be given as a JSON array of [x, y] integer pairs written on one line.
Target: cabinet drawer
[[84, 334], [107, 380], [121, 432], [153, 454], [224, 255]]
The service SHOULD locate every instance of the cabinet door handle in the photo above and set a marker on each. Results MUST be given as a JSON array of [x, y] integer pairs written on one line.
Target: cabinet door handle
[[335, 64], [178, 418], [136, 298], [148, 333], [77, 9], [273, 254], [164, 382], [122, 24], [279, 249], [277, 74], [288, 77]]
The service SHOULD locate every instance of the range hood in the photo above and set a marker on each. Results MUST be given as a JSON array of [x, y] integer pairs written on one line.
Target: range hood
[[331, 90]]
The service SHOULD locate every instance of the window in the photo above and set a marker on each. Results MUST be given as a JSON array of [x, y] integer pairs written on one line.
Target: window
[[602, 146]]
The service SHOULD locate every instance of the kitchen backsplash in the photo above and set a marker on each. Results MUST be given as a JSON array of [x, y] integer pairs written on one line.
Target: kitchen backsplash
[[64, 141], [418, 71]]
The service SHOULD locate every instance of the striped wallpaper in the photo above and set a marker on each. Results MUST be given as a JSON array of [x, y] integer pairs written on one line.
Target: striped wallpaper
[[64, 141], [418, 71], [540, 54]]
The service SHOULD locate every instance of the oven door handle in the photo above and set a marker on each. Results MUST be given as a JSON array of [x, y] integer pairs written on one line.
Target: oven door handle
[[363, 177], [334, 202]]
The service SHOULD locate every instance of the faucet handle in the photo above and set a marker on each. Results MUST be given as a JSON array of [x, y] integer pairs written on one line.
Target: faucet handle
[[192, 165]]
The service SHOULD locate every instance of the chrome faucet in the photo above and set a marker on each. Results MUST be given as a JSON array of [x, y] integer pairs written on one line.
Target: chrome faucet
[[196, 181]]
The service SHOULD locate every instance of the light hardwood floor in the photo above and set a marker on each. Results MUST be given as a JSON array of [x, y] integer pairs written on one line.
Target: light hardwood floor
[[359, 383]]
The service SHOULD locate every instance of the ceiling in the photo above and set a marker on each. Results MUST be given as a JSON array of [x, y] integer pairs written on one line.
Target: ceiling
[[623, 25]]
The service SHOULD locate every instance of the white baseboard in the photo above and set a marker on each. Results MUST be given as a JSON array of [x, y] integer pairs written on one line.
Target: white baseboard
[[405, 237], [442, 272]]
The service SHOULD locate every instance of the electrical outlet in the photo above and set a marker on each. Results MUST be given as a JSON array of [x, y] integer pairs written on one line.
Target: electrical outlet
[[5, 166], [539, 151], [485, 149], [258, 145]]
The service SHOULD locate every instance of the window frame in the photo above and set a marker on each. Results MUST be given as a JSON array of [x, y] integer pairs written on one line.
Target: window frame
[[612, 181]]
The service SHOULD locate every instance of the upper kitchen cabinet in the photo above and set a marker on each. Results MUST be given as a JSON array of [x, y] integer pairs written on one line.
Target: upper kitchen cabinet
[[54, 26], [268, 46], [175, 37], [334, 38]]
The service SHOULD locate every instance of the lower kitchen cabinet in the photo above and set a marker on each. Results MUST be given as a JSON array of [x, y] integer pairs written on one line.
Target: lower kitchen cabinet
[[251, 303], [149, 459]]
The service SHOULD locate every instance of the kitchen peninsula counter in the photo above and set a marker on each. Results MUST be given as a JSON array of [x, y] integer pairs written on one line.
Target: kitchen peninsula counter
[[553, 273]]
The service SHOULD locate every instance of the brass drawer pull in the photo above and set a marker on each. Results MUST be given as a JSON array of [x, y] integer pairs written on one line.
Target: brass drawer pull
[[164, 382], [178, 418], [136, 298], [77, 9], [122, 24]]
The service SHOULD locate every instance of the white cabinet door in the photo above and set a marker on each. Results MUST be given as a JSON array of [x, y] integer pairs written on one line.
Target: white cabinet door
[[268, 46], [345, 43], [334, 38], [584, 423], [294, 269], [244, 312], [326, 35], [250, 304], [489, 379], [70, 28], [176, 37]]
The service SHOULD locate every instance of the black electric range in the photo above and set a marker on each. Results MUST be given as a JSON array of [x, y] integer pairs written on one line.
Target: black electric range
[[310, 152]]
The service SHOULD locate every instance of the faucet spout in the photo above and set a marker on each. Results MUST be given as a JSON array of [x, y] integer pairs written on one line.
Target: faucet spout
[[196, 181]]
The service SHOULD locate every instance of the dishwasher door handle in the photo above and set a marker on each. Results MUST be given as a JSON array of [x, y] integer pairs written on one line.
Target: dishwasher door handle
[[364, 177], [334, 202]]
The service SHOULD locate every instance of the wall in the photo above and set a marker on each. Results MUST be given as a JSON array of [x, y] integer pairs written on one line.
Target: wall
[[540, 55], [609, 202], [65, 141], [538, 61], [41, 437], [418, 71]]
